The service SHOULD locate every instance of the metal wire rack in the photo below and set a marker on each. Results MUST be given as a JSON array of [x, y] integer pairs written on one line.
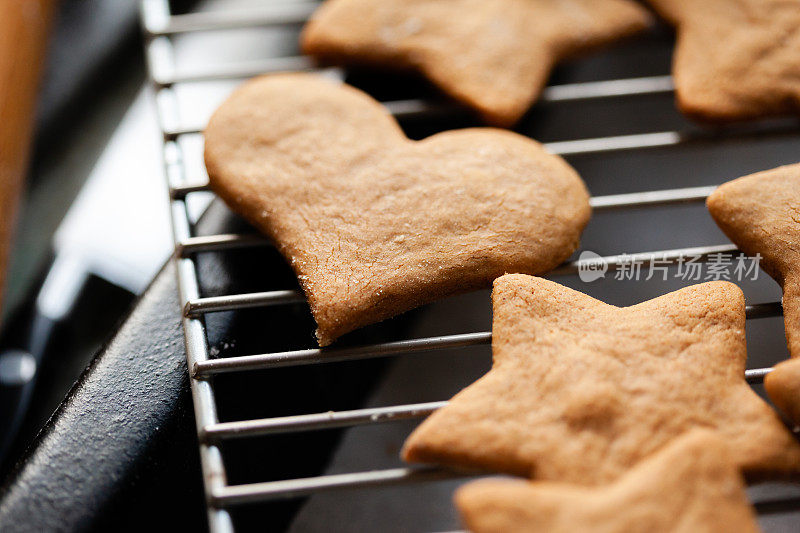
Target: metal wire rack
[[160, 27]]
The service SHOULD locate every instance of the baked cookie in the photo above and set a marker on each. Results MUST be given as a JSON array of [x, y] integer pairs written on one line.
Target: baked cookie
[[691, 486], [373, 223], [760, 213], [580, 391], [783, 387], [494, 56], [735, 60]]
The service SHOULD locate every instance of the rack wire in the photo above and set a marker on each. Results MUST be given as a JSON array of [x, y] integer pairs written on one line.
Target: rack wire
[[160, 27]]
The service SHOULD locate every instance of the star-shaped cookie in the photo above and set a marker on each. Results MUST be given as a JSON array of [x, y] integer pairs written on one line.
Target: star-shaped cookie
[[691, 486], [494, 56], [783, 387], [373, 223], [580, 391], [760, 213], [735, 60]]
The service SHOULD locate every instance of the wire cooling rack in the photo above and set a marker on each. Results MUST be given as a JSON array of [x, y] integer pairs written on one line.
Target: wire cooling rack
[[160, 28]]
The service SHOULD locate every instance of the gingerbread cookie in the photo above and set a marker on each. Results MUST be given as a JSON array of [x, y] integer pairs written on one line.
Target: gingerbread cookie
[[783, 387], [760, 213], [373, 223], [691, 486], [492, 56], [735, 60], [580, 391]]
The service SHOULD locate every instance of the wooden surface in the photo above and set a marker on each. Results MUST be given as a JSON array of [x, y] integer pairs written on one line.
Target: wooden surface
[[23, 37]]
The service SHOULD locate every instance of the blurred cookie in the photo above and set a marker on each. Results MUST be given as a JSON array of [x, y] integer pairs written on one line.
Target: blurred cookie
[[373, 223], [783, 387], [760, 213], [580, 391], [735, 60], [691, 486], [492, 56]]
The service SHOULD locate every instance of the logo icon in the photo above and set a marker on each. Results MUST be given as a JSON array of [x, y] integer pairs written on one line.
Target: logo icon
[[591, 267]]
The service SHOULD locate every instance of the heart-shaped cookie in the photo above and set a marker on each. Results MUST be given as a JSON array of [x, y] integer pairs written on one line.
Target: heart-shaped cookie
[[373, 223]]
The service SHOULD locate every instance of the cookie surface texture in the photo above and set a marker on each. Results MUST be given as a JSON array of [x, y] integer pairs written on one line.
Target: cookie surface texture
[[373, 223], [692, 486], [580, 391], [735, 59], [760, 213], [783, 387], [491, 55]]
